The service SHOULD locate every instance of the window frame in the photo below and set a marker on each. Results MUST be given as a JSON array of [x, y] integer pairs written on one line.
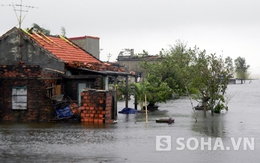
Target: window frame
[[19, 98]]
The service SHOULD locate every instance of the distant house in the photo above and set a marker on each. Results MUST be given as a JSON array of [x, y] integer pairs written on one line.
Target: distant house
[[35, 68], [131, 62]]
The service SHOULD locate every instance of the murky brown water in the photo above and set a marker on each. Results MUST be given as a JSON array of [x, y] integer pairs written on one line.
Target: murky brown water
[[132, 141]]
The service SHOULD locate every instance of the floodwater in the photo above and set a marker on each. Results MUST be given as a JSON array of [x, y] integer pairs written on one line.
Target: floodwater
[[231, 136]]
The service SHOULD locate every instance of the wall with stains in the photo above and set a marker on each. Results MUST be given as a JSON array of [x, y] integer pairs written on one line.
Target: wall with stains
[[16, 47]]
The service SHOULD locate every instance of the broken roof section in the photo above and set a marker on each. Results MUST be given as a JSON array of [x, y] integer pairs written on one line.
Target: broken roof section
[[73, 55], [62, 47]]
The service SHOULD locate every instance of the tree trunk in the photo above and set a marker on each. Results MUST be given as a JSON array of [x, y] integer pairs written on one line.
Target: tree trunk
[[204, 108], [212, 111]]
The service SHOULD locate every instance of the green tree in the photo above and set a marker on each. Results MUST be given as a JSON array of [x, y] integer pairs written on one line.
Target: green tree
[[121, 91], [241, 68], [193, 72], [229, 65], [43, 30], [167, 66], [63, 31], [154, 88], [210, 75], [139, 92]]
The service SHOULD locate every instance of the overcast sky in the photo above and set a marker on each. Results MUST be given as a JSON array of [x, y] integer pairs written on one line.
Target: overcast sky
[[225, 27]]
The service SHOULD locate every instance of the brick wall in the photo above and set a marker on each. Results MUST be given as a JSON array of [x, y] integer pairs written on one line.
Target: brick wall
[[39, 106], [96, 106]]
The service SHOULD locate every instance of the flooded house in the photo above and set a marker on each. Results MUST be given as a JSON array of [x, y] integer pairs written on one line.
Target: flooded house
[[35, 69]]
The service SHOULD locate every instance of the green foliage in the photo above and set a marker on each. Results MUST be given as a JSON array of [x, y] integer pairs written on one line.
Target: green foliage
[[63, 31], [154, 89], [212, 75], [144, 53], [186, 70], [219, 107], [43, 30], [229, 65], [139, 92], [241, 68], [168, 65], [157, 90], [121, 91]]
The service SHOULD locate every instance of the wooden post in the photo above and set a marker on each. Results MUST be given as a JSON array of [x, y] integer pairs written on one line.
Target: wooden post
[[126, 94], [146, 114], [135, 95], [204, 108]]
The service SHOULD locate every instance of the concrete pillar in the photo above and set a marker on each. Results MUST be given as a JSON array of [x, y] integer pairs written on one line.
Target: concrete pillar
[[106, 83]]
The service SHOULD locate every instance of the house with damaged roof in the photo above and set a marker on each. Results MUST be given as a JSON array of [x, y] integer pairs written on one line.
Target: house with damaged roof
[[35, 68]]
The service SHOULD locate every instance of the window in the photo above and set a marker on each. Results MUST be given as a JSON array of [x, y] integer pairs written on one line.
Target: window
[[53, 89], [19, 98]]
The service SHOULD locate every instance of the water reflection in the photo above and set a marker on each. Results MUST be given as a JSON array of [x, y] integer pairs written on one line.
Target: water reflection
[[211, 126]]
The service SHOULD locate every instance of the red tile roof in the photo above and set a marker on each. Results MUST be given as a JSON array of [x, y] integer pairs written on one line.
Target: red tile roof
[[63, 48], [70, 53]]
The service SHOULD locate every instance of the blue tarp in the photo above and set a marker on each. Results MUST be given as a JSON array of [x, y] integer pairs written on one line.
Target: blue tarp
[[63, 112], [128, 111]]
